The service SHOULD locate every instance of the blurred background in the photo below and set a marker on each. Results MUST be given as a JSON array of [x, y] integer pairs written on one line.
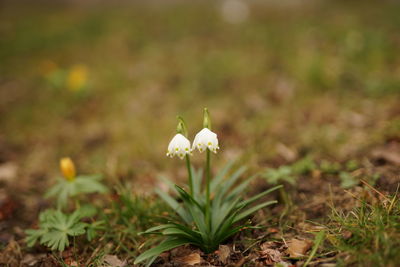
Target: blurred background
[[103, 81]]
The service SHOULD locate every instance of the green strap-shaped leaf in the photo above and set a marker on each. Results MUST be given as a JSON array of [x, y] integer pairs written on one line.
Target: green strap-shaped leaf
[[197, 179], [240, 188], [220, 214], [173, 231], [220, 176], [157, 228], [186, 196], [251, 210], [221, 190], [231, 232], [175, 206], [252, 199], [196, 212], [196, 235], [164, 246]]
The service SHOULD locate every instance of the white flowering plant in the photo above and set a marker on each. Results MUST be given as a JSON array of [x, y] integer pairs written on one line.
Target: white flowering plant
[[210, 214]]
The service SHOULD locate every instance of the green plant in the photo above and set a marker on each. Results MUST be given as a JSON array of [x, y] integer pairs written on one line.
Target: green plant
[[289, 173], [72, 185], [369, 233], [128, 215], [347, 180], [283, 173], [205, 221], [329, 167], [56, 227], [304, 165]]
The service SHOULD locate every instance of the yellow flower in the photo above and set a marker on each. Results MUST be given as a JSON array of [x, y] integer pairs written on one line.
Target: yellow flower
[[68, 169], [77, 77]]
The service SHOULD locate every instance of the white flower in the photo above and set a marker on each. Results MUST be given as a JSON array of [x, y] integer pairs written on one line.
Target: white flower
[[179, 146], [206, 139]]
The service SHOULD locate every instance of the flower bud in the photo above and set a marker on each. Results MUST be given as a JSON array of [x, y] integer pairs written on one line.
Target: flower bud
[[181, 128], [206, 119], [68, 169]]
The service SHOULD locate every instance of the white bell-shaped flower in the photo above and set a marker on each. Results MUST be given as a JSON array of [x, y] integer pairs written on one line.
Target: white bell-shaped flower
[[179, 146], [206, 139]]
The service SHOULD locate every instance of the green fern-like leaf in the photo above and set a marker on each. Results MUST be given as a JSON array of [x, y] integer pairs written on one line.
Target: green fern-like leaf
[[55, 229], [84, 184]]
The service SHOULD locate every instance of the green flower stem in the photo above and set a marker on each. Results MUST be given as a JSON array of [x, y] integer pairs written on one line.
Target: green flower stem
[[208, 179], [189, 168]]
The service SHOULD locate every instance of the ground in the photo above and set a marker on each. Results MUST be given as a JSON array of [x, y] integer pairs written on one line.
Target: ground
[[314, 85]]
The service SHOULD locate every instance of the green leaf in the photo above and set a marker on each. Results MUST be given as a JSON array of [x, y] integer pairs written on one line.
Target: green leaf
[[220, 191], [184, 195], [196, 212], [256, 197], [56, 240], [347, 180], [82, 184], [55, 228], [175, 206], [96, 177], [33, 235], [240, 188], [157, 228], [219, 214], [196, 235], [77, 229], [251, 210], [226, 234], [221, 175], [173, 231], [164, 246], [197, 179], [87, 211], [88, 184], [93, 228]]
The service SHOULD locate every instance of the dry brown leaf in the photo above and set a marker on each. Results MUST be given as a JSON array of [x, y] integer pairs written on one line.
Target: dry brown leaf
[[191, 259], [270, 256], [347, 234], [298, 248], [223, 253], [8, 171], [285, 152], [31, 260], [113, 261]]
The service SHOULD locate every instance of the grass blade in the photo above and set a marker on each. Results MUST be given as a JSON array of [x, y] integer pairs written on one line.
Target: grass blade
[[317, 242]]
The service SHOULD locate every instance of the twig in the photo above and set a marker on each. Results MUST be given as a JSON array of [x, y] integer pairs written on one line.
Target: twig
[[371, 187]]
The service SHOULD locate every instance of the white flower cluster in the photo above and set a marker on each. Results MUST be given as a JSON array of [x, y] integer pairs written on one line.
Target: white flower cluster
[[180, 145]]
